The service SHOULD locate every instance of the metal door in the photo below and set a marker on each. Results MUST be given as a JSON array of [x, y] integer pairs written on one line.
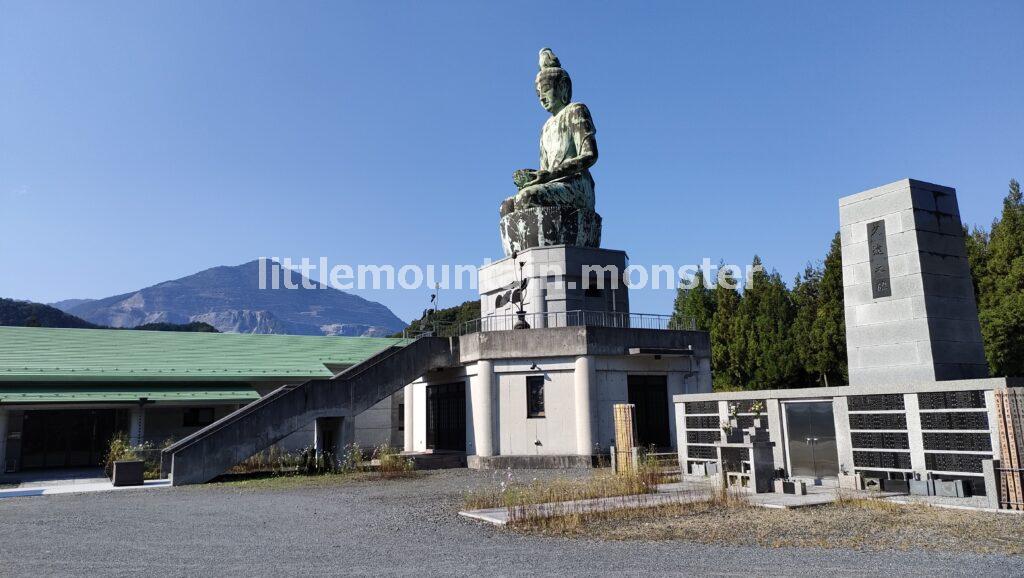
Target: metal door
[[811, 437]]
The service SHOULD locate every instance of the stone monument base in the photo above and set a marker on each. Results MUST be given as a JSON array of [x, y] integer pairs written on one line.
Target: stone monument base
[[561, 279], [547, 226]]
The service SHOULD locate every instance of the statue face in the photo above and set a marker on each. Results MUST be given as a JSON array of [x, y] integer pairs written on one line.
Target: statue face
[[550, 95]]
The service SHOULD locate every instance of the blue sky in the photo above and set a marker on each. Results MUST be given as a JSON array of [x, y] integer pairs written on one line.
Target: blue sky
[[144, 141]]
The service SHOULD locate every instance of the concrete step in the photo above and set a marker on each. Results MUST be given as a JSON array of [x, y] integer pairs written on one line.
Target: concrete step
[[436, 461]]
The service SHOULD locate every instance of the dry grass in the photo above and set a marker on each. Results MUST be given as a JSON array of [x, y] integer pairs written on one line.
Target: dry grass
[[390, 463], [271, 460], [574, 519], [273, 468], [512, 493], [851, 523]]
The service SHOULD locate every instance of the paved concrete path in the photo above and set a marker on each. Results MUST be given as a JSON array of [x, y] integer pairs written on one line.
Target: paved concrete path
[[403, 527], [42, 488]]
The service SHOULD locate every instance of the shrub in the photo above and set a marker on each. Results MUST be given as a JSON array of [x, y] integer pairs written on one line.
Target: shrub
[[391, 462], [119, 450]]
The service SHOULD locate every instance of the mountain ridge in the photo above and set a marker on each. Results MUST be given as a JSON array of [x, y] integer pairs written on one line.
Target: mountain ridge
[[229, 298]]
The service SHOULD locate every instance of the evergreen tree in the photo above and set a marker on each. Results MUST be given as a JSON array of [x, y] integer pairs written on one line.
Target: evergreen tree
[[765, 320], [1001, 288], [806, 298], [829, 328], [697, 303], [725, 365], [976, 241]]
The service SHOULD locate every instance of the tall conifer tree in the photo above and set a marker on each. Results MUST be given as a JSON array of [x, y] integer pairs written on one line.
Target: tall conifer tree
[[696, 303], [725, 364], [1001, 287]]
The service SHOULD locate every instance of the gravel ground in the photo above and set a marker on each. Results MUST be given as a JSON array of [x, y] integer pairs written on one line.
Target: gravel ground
[[404, 526]]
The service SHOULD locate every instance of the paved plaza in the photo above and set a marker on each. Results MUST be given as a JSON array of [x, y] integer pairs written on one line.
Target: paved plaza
[[396, 527]]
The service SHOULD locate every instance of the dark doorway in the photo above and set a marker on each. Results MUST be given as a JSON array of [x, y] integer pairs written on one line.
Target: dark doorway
[[811, 436], [446, 417], [649, 393], [67, 438]]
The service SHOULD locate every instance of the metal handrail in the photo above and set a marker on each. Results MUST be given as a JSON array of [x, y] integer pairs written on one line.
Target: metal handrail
[[577, 318]]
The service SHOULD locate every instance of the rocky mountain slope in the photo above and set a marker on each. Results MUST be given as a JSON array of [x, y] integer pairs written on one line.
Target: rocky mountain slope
[[230, 299]]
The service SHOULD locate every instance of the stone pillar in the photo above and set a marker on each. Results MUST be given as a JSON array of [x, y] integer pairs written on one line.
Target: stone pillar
[[584, 380], [481, 389], [844, 443], [992, 482], [915, 436], [137, 427], [676, 385], [409, 437], [3, 440], [773, 409], [680, 418]]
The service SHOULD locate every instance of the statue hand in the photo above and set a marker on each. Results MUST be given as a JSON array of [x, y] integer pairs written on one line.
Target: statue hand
[[522, 177], [539, 178]]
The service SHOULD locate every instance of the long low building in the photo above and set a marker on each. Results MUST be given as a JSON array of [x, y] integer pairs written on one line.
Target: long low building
[[65, 392]]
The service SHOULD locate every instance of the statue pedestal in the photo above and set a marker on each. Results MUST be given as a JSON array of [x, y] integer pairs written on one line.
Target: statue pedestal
[[555, 292], [550, 226]]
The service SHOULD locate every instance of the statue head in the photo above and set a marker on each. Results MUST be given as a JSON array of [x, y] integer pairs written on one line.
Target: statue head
[[554, 87]]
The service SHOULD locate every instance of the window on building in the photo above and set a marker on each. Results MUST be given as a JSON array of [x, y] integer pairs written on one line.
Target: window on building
[[535, 396], [401, 417], [197, 416]]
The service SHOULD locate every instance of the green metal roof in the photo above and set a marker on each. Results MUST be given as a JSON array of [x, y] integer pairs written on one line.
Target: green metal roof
[[35, 354], [126, 393]]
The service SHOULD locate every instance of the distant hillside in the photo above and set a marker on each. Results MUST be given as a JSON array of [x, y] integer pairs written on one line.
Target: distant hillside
[[229, 298], [450, 317], [27, 314], [67, 304], [14, 313]]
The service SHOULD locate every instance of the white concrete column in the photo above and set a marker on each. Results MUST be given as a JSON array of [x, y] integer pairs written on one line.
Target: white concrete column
[[409, 433], [914, 434], [137, 427], [676, 385], [773, 409], [844, 442], [584, 380], [3, 440], [481, 389]]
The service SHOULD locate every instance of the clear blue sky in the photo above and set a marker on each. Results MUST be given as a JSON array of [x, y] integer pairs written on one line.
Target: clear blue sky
[[143, 141]]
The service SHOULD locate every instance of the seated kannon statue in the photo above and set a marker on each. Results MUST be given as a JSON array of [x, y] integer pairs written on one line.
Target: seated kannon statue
[[555, 204]]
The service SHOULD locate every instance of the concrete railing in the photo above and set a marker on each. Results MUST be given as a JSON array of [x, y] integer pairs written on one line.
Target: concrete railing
[[214, 449], [577, 318]]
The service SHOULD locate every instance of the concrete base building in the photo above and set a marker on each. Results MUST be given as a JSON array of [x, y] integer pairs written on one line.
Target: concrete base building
[[542, 396]]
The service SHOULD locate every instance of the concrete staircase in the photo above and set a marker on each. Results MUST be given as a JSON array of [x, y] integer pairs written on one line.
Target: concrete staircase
[[217, 447]]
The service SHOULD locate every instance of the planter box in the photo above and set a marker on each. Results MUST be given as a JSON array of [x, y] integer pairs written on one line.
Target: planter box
[[129, 473], [922, 488]]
